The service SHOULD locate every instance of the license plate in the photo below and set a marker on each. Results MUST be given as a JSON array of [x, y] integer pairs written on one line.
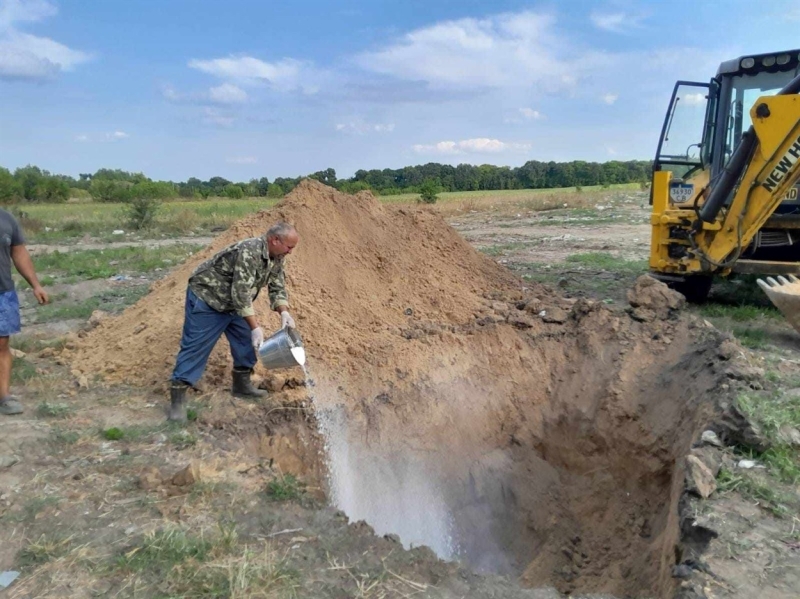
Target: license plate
[[681, 193]]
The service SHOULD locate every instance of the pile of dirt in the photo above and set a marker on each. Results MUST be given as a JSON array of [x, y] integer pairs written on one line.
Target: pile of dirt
[[362, 273], [462, 408]]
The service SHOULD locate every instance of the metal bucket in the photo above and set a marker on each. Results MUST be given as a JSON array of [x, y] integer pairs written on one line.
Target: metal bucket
[[276, 351]]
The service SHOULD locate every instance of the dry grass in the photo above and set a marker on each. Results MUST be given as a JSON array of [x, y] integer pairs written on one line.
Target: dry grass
[[522, 203], [57, 568], [381, 584], [183, 564]]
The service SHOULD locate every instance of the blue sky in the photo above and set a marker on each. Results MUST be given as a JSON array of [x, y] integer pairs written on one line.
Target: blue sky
[[245, 88]]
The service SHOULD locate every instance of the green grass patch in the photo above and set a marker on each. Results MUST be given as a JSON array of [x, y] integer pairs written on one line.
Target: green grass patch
[[607, 261], [285, 488], [33, 345], [82, 311], [113, 434], [784, 461], [161, 550], [182, 439], [102, 264], [739, 313], [772, 411], [42, 550], [48, 409], [113, 300], [751, 337], [740, 290], [504, 248], [22, 371], [63, 438], [180, 564], [175, 432], [776, 412], [750, 487], [506, 195], [37, 505], [70, 222]]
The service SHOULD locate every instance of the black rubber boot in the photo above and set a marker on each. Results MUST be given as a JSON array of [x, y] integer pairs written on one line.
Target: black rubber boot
[[243, 387], [177, 397]]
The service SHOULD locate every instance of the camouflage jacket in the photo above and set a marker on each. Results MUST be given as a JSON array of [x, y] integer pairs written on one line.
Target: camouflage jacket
[[231, 280]]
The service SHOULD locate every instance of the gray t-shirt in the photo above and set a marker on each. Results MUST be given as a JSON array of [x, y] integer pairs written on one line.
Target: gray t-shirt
[[10, 235]]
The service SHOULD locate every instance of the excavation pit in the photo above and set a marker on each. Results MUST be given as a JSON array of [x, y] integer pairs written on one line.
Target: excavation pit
[[553, 456]]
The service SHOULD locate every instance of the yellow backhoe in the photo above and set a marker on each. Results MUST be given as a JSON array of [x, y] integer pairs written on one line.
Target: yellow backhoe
[[725, 183]]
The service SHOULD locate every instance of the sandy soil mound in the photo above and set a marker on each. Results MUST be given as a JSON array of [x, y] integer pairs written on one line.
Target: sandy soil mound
[[361, 268]]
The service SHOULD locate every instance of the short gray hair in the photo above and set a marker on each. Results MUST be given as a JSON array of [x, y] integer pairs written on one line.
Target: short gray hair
[[280, 230]]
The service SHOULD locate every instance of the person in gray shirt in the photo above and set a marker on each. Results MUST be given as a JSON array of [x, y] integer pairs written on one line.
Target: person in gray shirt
[[12, 249]]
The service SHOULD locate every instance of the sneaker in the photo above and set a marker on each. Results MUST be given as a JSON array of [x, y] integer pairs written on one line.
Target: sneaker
[[9, 406]]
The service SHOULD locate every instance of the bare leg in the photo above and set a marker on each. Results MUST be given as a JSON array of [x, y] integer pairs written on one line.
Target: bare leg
[[5, 368]]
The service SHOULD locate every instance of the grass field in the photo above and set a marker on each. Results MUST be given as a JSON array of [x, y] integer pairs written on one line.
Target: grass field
[[62, 223]]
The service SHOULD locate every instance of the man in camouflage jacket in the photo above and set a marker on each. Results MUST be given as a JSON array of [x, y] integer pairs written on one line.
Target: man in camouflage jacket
[[219, 299]]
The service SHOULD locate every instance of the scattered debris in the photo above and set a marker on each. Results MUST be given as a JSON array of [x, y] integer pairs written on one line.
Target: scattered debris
[[187, 476], [699, 478], [749, 464], [7, 577], [555, 315], [710, 438], [711, 458]]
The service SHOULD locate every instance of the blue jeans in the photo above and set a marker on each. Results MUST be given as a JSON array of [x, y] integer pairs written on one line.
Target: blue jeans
[[202, 328], [9, 313]]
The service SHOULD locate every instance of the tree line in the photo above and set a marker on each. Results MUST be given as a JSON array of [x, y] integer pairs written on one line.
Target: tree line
[[32, 184]]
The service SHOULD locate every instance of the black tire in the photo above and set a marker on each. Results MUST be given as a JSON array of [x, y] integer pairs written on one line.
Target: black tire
[[695, 288]]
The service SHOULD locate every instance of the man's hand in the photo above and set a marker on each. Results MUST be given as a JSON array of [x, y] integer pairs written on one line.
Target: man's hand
[[257, 337], [287, 321], [40, 294]]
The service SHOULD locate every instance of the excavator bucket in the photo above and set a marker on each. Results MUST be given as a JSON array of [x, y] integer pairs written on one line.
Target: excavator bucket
[[785, 294]]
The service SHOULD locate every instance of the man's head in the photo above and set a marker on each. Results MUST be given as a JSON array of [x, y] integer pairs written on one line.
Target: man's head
[[281, 239]]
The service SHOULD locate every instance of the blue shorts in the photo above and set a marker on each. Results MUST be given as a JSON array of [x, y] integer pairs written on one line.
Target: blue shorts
[[9, 313]]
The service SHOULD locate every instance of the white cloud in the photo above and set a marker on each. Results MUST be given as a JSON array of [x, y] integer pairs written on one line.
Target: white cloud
[[111, 136], [285, 75], [362, 128], [21, 11], [618, 22], [531, 114], [171, 94], [478, 145], [242, 160], [522, 115], [519, 50], [610, 98], [212, 116], [26, 56], [227, 93]]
